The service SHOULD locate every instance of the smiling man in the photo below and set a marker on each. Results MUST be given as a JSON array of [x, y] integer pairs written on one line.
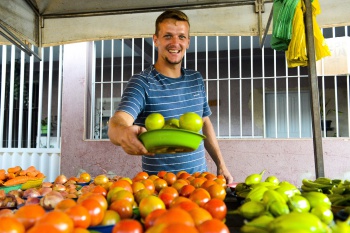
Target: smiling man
[[169, 89]]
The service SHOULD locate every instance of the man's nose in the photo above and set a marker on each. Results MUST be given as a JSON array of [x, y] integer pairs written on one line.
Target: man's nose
[[175, 40]]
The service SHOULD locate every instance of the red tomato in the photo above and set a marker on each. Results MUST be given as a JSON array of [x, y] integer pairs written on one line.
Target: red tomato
[[123, 207], [200, 196], [95, 210], [11, 224], [217, 208], [213, 225], [80, 216], [128, 225]]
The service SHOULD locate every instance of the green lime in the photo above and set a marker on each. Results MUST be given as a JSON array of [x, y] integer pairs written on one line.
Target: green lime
[[172, 123], [191, 121], [154, 121]]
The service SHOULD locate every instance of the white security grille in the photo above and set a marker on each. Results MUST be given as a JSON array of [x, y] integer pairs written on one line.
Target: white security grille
[[31, 98], [251, 91]]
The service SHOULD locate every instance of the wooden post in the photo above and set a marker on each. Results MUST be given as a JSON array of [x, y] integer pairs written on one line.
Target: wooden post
[[315, 107]]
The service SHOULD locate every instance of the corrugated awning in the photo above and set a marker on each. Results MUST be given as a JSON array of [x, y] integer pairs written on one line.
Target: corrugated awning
[[49, 22]]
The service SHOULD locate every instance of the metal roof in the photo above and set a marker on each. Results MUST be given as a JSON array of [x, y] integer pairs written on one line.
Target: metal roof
[[52, 22]]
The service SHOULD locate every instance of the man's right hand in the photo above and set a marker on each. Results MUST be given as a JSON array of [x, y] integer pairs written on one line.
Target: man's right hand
[[129, 140], [122, 132]]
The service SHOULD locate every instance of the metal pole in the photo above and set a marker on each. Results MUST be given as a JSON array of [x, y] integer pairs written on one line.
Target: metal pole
[[315, 106]]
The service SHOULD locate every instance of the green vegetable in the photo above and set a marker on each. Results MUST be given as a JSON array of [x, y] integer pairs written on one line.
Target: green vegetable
[[252, 229], [341, 227], [254, 178], [312, 184], [334, 197], [287, 190], [265, 184], [271, 196], [251, 209], [316, 198], [323, 180], [272, 179], [310, 189], [257, 193], [261, 221], [295, 222], [323, 213], [277, 208], [298, 203], [345, 201], [243, 193]]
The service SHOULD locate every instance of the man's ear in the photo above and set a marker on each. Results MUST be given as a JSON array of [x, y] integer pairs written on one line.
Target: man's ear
[[155, 40]]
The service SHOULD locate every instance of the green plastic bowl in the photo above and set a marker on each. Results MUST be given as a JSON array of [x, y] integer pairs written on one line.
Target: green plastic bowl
[[168, 141], [7, 189]]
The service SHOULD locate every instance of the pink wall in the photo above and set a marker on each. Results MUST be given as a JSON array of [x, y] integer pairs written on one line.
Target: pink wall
[[288, 159]]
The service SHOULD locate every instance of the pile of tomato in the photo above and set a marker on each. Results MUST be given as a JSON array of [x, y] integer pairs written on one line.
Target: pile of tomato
[[166, 202]]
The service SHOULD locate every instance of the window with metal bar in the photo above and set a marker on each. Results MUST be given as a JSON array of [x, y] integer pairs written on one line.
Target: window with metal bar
[[251, 91]]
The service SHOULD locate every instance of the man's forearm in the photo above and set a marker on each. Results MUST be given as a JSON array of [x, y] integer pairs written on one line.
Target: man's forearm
[[117, 123], [211, 144]]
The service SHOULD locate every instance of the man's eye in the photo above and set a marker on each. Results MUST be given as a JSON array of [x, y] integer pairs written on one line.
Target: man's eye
[[182, 37], [167, 36]]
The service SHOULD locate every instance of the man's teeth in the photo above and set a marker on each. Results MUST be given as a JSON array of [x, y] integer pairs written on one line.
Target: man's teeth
[[174, 51]]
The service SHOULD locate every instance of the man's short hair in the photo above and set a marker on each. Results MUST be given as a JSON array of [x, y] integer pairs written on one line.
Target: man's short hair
[[171, 14]]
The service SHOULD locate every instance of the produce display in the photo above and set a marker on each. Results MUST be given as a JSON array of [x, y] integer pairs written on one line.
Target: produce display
[[169, 202], [166, 202], [277, 206]]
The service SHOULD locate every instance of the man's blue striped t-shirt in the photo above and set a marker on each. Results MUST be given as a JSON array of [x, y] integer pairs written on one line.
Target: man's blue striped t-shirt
[[149, 92]]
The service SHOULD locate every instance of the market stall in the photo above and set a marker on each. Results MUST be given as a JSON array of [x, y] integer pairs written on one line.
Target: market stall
[[47, 27]]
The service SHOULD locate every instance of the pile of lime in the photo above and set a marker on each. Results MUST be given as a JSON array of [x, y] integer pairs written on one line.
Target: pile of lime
[[189, 121]]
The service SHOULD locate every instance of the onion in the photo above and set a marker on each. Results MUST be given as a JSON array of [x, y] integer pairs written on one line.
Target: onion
[[32, 192], [46, 185], [64, 193], [16, 193], [70, 186], [70, 182], [32, 201], [51, 199], [61, 179], [45, 190], [58, 187], [71, 195]]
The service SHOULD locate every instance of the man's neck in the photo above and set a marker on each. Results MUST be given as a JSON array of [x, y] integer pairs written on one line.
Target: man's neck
[[171, 71]]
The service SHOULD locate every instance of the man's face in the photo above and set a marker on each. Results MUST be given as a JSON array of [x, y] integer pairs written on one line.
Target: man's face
[[172, 40]]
